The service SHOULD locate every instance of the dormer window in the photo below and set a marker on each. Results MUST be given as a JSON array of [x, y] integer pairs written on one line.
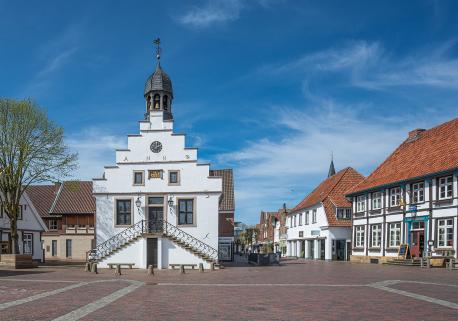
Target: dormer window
[[343, 213]]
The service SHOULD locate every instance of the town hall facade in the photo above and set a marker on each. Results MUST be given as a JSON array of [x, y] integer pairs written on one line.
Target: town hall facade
[[157, 205]]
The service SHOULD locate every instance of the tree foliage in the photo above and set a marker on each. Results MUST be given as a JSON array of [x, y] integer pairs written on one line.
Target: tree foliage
[[32, 151]]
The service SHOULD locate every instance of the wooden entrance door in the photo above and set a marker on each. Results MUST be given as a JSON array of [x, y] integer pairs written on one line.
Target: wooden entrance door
[[417, 243], [155, 214], [151, 252]]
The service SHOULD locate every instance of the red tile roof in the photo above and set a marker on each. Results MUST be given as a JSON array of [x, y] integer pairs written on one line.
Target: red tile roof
[[331, 192], [75, 197], [42, 197], [423, 153], [227, 201]]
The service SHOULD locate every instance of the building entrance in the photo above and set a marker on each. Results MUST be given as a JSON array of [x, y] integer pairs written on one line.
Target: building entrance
[[417, 243], [151, 252], [340, 250], [155, 214]]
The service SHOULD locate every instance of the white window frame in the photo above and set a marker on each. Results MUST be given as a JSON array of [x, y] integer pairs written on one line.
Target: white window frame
[[361, 203], [307, 218], [445, 187], [314, 216], [300, 219], [51, 228], [376, 235], [27, 243], [418, 193], [443, 232], [359, 235], [395, 234], [395, 196], [376, 200]]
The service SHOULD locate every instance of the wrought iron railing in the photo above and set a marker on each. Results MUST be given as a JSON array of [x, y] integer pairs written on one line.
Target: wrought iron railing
[[154, 226]]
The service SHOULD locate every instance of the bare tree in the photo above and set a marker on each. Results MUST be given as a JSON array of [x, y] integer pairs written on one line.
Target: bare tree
[[32, 150]]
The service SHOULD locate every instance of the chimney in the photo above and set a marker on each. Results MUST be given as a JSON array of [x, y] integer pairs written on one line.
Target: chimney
[[414, 134]]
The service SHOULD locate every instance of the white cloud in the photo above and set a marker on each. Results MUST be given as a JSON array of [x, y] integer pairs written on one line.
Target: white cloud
[[369, 65], [96, 149], [220, 11], [215, 11], [272, 171]]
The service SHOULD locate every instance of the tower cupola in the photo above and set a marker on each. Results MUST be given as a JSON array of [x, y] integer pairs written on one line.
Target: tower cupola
[[158, 89]]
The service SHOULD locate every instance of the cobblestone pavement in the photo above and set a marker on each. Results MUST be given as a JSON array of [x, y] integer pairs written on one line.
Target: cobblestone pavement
[[296, 290]]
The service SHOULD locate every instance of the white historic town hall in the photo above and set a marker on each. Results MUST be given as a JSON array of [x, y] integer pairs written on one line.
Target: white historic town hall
[[157, 206]]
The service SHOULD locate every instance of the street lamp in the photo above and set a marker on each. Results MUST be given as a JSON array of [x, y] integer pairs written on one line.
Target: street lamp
[[170, 202], [138, 203]]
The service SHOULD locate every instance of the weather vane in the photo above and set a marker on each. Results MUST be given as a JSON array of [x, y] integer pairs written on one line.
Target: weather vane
[[157, 42]]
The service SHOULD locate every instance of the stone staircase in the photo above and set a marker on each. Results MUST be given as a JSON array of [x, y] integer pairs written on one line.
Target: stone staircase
[[161, 228]]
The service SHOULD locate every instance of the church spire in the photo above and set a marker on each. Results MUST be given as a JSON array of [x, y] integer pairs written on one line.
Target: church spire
[[332, 170]]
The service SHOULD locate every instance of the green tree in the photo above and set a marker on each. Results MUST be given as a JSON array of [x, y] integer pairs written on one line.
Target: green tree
[[32, 151], [249, 235]]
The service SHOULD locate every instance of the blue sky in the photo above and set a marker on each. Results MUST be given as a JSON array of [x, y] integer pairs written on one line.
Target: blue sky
[[266, 87]]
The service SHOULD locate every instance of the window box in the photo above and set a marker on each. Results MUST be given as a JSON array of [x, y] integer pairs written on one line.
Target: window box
[[394, 208], [375, 212], [374, 248]]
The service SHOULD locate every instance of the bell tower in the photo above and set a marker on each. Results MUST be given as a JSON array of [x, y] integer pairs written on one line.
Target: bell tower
[[158, 89]]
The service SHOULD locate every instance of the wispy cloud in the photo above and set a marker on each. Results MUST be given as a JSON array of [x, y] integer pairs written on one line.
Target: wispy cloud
[[53, 56], [270, 171], [368, 65], [96, 149], [214, 11], [219, 11]]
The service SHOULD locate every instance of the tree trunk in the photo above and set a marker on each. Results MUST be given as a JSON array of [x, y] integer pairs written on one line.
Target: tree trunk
[[14, 238]]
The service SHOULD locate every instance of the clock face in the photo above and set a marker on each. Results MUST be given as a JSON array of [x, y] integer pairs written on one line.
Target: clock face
[[156, 146]]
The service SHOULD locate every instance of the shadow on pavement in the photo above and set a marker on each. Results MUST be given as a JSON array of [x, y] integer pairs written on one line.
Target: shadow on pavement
[[7, 273]]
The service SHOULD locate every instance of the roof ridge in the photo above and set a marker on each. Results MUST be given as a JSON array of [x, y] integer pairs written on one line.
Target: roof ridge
[[56, 197], [338, 181]]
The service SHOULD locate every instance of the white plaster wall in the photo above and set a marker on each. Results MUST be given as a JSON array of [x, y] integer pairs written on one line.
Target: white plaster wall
[[30, 223], [194, 183], [131, 254]]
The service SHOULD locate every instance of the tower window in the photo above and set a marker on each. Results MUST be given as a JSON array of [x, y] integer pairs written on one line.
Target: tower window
[[148, 103], [157, 101], [165, 101]]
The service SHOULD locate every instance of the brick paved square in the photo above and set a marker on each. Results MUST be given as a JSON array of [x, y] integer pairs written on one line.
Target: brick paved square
[[296, 290]]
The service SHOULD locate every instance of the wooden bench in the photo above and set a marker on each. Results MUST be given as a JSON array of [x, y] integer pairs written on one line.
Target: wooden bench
[[129, 265], [177, 266]]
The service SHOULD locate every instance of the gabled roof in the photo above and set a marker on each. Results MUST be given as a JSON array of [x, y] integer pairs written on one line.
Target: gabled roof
[[423, 153], [74, 197], [42, 197], [227, 201], [331, 192]]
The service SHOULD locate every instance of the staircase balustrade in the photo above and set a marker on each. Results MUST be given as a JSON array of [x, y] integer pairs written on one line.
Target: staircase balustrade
[[137, 230]]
